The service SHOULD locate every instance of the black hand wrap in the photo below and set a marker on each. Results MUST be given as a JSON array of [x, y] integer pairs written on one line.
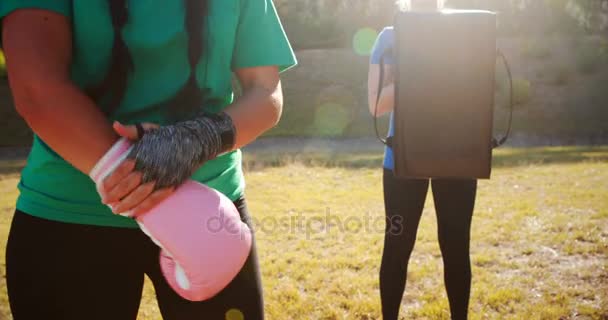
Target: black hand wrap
[[169, 155]]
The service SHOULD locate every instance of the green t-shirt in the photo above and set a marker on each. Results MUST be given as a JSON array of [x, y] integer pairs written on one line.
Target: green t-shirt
[[241, 34]]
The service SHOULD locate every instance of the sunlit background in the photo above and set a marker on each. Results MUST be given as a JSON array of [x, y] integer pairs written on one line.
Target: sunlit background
[[558, 50], [540, 231]]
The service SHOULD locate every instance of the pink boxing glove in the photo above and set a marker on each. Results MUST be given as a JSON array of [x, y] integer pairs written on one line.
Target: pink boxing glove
[[203, 240]]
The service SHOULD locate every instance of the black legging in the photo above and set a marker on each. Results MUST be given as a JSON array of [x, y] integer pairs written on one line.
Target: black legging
[[69, 271], [404, 201]]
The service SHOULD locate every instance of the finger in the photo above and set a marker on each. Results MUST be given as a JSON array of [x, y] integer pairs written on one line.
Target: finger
[[153, 200], [121, 172], [134, 198], [123, 188], [130, 131]]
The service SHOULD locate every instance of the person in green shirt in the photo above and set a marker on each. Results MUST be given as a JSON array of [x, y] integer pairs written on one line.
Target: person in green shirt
[[84, 73]]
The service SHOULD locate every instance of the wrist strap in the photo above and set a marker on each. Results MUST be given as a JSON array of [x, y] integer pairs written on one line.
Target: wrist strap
[[110, 160], [226, 130]]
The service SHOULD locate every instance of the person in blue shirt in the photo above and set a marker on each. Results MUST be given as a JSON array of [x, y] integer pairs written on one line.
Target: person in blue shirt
[[404, 199]]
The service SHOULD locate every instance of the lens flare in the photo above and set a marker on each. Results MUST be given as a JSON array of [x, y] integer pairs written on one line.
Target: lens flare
[[234, 314], [363, 41], [331, 119]]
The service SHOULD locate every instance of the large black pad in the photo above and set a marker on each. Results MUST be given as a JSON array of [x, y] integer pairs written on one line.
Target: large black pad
[[445, 82]]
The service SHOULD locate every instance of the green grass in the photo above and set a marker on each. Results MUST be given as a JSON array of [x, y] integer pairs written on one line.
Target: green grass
[[539, 237]]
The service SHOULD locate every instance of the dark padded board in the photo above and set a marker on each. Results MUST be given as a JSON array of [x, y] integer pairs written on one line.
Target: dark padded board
[[445, 94]]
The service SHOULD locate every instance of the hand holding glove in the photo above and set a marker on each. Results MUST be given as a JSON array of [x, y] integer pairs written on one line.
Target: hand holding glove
[[163, 159], [169, 155]]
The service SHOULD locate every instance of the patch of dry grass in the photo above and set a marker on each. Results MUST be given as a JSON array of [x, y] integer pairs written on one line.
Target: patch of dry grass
[[539, 242]]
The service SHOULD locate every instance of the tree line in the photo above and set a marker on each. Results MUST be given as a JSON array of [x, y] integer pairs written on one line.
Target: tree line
[[331, 23]]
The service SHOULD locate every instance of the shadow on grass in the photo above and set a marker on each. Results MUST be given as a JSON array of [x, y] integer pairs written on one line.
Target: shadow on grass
[[504, 158], [551, 155], [10, 167]]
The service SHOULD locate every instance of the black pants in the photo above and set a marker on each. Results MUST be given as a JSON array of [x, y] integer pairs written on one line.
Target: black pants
[[69, 271], [404, 201]]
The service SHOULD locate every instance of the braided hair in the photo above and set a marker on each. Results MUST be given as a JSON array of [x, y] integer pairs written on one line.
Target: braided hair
[[114, 85]]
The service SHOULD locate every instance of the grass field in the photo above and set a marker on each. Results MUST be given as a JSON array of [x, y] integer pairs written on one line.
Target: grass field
[[539, 242]]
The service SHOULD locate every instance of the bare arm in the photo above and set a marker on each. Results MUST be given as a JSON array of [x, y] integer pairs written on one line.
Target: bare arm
[[258, 110], [387, 96], [38, 49], [260, 107]]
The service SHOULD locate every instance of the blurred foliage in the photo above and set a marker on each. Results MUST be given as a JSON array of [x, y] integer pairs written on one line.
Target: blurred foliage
[[558, 86], [543, 16], [522, 91], [561, 75], [534, 48], [591, 56], [332, 23]]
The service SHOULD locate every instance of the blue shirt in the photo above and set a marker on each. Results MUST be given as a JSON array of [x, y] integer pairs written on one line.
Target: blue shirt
[[383, 46]]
